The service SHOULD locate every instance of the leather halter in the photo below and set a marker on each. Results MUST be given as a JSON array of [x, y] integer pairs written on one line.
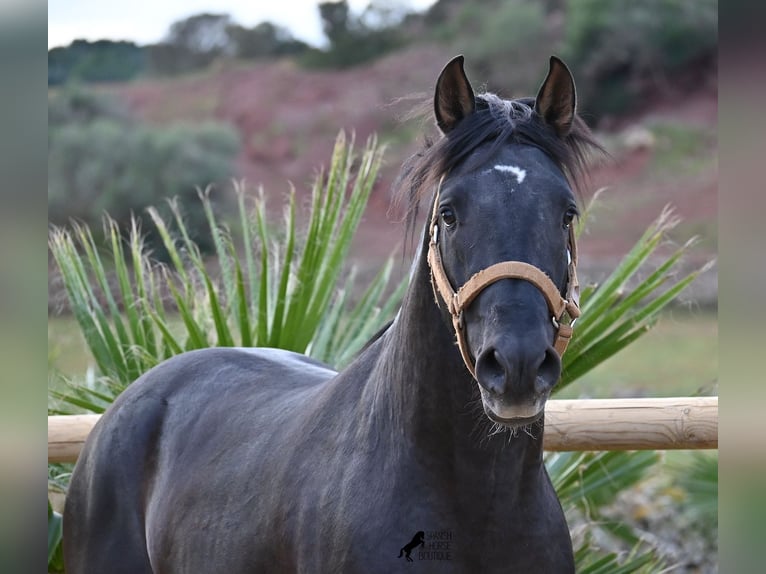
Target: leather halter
[[559, 307]]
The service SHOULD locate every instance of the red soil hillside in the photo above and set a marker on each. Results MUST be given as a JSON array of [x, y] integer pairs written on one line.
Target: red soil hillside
[[288, 118]]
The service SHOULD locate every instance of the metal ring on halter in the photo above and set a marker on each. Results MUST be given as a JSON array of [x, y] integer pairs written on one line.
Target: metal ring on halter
[[558, 325]]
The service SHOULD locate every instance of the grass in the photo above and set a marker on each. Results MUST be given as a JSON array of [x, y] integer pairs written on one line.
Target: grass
[[682, 149], [67, 352], [677, 358]]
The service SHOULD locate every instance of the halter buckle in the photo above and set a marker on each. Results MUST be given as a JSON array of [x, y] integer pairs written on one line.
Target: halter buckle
[[557, 324], [435, 234]]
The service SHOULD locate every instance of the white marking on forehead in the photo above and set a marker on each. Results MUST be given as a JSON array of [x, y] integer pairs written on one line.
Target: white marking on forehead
[[517, 171]]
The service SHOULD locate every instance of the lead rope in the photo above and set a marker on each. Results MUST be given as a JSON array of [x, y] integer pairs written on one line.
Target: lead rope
[[456, 302]]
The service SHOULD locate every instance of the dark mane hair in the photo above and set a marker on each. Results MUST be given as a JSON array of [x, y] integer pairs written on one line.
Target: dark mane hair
[[500, 122]]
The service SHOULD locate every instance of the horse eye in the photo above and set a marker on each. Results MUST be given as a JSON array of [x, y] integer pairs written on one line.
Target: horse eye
[[448, 216], [569, 217]]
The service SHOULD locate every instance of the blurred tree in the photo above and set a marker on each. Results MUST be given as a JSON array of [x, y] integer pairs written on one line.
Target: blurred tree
[[384, 14], [623, 52], [503, 39], [101, 159], [202, 34], [335, 21], [265, 40], [77, 106], [192, 43], [101, 61], [355, 39], [169, 59]]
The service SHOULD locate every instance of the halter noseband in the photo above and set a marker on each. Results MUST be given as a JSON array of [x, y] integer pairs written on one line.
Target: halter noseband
[[458, 301]]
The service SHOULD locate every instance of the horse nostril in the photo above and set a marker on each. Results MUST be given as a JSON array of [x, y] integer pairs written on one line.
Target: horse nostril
[[549, 371], [491, 372]]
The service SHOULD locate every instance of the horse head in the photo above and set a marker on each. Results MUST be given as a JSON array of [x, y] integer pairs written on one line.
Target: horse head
[[501, 249]]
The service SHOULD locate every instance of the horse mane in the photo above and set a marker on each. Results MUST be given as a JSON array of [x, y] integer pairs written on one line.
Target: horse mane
[[500, 122]]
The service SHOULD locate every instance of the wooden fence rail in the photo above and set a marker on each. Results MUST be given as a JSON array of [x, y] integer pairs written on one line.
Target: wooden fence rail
[[591, 424]]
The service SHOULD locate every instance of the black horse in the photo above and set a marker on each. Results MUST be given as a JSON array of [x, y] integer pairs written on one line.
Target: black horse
[[260, 460]]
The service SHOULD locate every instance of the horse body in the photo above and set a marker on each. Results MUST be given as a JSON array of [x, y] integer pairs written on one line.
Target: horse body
[[306, 488], [260, 460]]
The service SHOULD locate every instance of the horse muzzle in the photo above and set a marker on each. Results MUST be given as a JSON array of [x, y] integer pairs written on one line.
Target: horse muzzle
[[515, 383]]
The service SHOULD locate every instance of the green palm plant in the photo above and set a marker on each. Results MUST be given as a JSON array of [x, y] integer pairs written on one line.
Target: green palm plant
[[700, 482], [614, 317], [281, 287], [276, 290], [55, 552]]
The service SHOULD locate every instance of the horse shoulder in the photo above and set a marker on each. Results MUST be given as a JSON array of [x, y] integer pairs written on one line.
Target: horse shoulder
[[174, 419]]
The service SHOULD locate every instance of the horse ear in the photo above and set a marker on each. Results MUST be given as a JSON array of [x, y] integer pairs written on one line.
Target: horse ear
[[556, 100], [453, 98]]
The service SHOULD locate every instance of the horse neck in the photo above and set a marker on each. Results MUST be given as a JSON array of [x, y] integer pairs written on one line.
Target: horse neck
[[422, 391]]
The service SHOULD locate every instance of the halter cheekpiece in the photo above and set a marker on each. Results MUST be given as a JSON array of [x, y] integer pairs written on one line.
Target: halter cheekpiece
[[564, 311]]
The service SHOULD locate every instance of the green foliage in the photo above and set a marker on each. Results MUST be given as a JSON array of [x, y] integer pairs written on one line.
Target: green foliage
[[191, 44], [590, 480], [335, 20], [621, 49], [101, 61], [77, 106], [277, 289], [266, 40], [55, 549], [587, 482], [589, 562], [195, 42], [165, 59], [611, 318], [620, 52], [699, 480], [356, 39], [500, 38], [101, 160], [677, 358], [201, 34]]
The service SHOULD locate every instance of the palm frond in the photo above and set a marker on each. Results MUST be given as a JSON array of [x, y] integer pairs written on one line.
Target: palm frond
[[270, 288]]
